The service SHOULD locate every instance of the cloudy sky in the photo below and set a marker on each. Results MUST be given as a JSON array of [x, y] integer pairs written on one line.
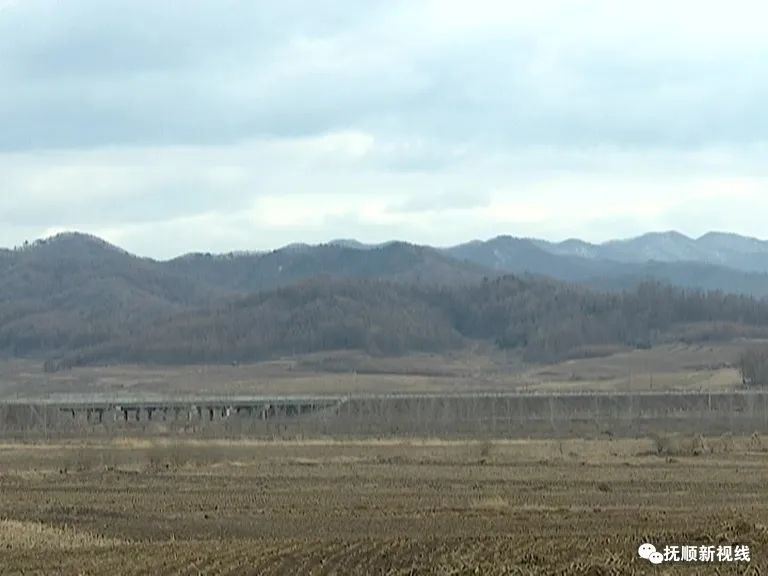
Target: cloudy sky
[[217, 125]]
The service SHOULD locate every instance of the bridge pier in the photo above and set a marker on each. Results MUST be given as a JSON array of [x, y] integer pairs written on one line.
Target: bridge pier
[[502, 414]]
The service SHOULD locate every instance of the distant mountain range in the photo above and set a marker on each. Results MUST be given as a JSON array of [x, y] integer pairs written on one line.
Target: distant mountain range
[[716, 261], [717, 248], [76, 292], [723, 249]]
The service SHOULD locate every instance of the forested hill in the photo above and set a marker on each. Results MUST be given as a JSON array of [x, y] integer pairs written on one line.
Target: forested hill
[[395, 261], [545, 320], [75, 298], [75, 290]]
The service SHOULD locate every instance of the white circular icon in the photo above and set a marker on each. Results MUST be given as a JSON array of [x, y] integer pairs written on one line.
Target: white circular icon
[[656, 558], [646, 550]]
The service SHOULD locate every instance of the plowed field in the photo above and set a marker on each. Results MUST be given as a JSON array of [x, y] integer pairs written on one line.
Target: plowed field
[[550, 507]]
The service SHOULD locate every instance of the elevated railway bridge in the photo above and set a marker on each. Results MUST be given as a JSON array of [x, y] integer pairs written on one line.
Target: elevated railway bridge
[[442, 415]]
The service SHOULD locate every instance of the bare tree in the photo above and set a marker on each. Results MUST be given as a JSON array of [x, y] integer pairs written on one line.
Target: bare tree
[[753, 366]]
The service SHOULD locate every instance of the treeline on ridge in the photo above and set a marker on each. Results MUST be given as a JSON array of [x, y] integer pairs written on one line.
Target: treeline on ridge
[[545, 320], [75, 291]]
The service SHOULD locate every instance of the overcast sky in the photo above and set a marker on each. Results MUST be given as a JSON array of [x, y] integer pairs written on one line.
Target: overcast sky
[[169, 127]]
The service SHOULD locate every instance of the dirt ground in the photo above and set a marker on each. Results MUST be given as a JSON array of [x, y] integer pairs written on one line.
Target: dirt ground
[[378, 507], [669, 367]]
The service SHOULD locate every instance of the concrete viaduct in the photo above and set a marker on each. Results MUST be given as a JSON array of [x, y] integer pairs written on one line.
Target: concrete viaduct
[[455, 415]]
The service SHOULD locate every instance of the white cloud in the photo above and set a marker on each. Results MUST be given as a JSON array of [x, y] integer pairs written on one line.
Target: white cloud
[[264, 194], [250, 125]]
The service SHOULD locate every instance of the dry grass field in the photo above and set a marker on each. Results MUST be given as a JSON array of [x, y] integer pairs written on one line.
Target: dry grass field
[[670, 367], [379, 507], [159, 506]]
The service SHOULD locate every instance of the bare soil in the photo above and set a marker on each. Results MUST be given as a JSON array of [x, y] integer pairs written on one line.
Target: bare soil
[[378, 507]]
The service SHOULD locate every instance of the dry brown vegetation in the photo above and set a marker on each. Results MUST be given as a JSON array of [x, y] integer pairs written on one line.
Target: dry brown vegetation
[[28, 536], [669, 367], [377, 507]]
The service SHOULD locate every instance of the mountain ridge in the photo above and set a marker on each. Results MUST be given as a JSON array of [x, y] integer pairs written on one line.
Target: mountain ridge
[[76, 299], [713, 240], [733, 264]]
